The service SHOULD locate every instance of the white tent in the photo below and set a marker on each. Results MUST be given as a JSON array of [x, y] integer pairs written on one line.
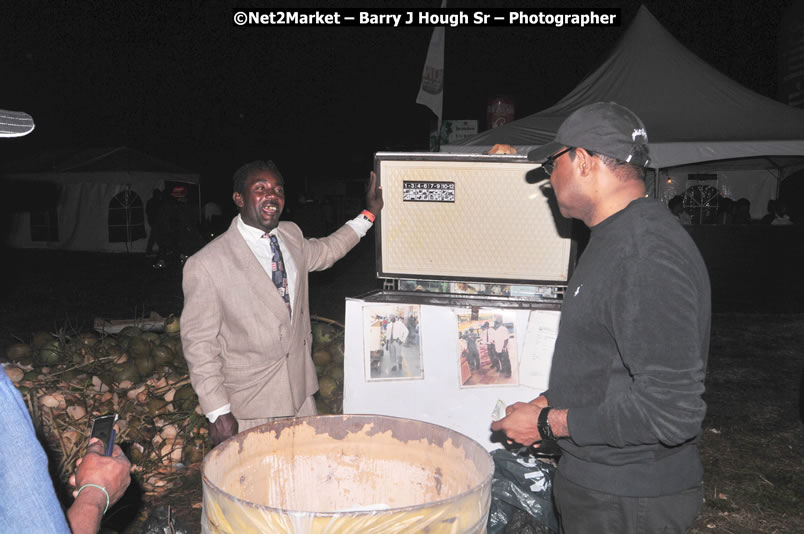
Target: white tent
[[89, 200], [692, 112]]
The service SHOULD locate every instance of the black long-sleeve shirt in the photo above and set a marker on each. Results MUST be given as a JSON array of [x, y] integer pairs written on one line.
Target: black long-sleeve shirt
[[631, 354]]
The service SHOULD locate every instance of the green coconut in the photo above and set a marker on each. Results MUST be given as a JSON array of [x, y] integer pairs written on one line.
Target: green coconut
[[185, 399], [75, 352], [338, 337], [322, 333], [193, 452], [171, 342], [336, 350], [180, 365], [327, 387], [321, 357], [174, 344], [145, 365], [163, 355], [19, 351], [109, 350], [321, 406], [123, 341], [172, 376], [108, 340], [138, 348], [157, 406], [87, 338], [125, 371], [131, 331], [335, 372], [150, 337], [336, 404], [49, 353], [40, 338], [172, 325]]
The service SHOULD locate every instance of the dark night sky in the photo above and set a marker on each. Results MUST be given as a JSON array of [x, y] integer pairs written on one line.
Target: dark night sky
[[178, 80]]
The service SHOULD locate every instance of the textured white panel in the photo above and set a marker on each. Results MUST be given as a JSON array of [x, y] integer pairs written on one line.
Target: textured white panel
[[500, 227]]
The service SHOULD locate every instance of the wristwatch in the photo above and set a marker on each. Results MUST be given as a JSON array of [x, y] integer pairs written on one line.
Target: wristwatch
[[543, 424]]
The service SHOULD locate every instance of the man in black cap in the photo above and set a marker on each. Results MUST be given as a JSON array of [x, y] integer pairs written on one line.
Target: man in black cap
[[625, 397]]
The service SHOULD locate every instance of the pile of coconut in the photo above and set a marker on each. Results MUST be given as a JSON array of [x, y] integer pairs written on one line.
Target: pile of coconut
[[328, 358], [67, 380]]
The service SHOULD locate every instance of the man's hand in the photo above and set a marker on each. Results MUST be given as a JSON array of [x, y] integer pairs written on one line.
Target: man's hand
[[113, 473], [374, 202], [520, 423], [502, 149], [224, 427], [540, 401]]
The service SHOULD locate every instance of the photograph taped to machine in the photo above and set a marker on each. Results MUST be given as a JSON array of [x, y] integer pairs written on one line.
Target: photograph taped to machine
[[487, 347], [392, 342]]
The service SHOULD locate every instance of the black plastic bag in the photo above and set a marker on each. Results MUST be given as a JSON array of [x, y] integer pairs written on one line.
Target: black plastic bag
[[521, 495]]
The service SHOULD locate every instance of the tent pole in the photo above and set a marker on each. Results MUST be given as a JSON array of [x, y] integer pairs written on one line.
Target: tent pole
[[779, 177], [779, 174], [656, 182]]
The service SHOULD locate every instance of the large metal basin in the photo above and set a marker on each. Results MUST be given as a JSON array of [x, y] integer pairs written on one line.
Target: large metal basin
[[340, 474]]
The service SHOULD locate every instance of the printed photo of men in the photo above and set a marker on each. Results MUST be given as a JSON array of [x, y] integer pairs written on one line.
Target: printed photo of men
[[391, 341], [487, 352]]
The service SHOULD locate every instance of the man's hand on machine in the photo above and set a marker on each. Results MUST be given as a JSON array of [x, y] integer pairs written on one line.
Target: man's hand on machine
[[374, 202]]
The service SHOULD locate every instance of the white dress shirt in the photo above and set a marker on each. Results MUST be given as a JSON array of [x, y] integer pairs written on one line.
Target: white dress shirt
[[397, 331], [499, 336], [261, 247]]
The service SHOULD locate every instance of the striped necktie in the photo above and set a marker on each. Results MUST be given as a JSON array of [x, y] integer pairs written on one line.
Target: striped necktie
[[278, 273]]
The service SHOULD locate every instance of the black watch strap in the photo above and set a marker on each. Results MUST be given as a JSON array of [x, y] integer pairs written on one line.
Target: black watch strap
[[543, 424]]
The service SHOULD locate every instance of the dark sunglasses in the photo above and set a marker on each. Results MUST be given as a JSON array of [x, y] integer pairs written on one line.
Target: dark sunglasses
[[549, 163]]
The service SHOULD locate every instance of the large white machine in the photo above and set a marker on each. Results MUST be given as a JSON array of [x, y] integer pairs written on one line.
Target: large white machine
[[476, 257]]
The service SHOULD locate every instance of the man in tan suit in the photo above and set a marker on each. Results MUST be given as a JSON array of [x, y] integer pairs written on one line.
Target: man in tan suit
[[247, 344]]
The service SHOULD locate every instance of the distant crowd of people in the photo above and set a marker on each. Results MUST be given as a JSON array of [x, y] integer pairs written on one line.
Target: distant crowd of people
[[777, 213], [175, 229], [729, 211]]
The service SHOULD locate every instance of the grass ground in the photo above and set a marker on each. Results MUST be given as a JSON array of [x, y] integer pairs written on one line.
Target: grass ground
[[753, 434]]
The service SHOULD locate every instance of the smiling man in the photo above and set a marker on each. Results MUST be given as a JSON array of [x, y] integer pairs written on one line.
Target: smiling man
[[245, 327], [626, 383]]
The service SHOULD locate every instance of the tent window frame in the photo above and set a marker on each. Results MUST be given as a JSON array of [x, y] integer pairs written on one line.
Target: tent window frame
[[701, 201], [126, 217]]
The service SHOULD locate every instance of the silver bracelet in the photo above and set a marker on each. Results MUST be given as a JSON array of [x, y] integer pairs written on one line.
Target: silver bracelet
[[100, 488]]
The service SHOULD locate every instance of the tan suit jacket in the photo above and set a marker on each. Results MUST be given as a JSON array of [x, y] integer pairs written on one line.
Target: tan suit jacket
[[240, 344]]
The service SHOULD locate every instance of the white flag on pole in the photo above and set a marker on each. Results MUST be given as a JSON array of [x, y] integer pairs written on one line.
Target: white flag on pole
[[431, 91]]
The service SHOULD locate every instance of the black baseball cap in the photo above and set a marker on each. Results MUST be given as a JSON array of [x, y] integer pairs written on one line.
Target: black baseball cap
[[601, 128], [15, 123]]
